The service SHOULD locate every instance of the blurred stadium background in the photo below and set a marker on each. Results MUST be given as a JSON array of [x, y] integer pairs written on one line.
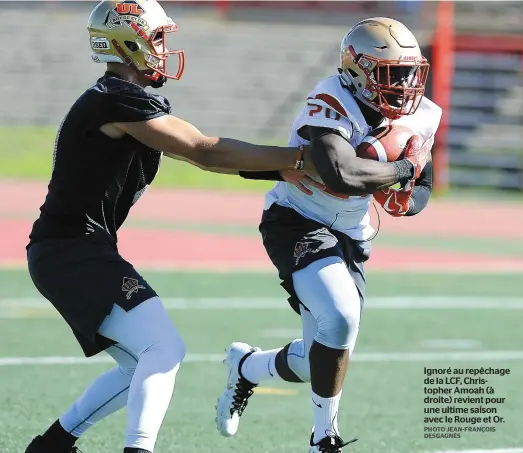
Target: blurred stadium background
[[444, 288], [249, 65]]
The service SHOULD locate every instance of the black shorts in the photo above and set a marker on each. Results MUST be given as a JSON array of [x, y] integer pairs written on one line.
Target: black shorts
[[293, 242], [83, 277]]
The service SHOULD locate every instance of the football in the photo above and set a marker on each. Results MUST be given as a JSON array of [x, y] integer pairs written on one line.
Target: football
[[385, 144]]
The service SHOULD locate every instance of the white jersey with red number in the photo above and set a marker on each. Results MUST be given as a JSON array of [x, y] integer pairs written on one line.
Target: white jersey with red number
[[332, 106]]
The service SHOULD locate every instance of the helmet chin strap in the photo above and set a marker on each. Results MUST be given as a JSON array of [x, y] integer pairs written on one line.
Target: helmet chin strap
[[162, 80], [371, 112]]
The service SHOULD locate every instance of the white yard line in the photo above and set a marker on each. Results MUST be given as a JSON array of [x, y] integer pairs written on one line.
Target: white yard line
[[369, 357], [10, 307], [490, 450]]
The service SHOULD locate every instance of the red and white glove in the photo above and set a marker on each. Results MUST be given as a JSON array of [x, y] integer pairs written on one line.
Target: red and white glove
[[418, 153], [395, 202]]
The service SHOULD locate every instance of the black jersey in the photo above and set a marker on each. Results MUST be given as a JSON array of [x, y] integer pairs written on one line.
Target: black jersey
[[96, 179]]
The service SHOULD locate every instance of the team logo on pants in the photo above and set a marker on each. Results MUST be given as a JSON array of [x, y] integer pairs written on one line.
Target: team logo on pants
[[301, 249], [313, 243], [131, 286]]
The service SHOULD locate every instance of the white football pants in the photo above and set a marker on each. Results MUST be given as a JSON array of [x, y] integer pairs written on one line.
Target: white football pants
[[149, 352]]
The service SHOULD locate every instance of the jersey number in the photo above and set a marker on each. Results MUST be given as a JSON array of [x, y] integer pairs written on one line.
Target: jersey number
[[329, 113]]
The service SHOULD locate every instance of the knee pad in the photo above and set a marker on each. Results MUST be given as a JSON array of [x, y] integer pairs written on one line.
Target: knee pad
[[338, 329], [298, 360]]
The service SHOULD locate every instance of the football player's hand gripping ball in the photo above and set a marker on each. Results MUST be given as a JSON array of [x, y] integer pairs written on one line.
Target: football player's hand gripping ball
[[418, 153], [395, 202]]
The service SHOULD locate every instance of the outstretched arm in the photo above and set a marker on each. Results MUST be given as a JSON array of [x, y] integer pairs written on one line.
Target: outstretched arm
[[181, 140], [296, 177]]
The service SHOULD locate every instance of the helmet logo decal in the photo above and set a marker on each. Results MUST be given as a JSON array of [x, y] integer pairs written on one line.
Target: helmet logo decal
[[129, 8], [127, 13]]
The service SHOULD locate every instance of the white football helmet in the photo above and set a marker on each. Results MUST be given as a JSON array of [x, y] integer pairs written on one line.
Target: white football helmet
[[133, 32]]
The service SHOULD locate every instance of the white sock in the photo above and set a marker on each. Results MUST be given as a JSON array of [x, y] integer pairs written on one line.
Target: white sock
[[325, 415], [261, 366]]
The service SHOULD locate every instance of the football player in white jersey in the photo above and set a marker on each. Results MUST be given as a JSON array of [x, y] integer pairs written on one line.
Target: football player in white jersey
[[320, 242]]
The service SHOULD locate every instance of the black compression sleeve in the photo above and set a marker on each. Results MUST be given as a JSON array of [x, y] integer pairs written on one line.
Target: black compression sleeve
[[421, 192], [425, 177], [261, 175], [418, 200]]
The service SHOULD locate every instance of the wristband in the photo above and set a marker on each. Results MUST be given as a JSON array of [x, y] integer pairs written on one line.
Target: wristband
[[300, 162], [404, 171]]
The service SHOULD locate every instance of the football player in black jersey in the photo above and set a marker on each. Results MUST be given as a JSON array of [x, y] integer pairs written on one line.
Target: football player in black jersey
[[107, 153]]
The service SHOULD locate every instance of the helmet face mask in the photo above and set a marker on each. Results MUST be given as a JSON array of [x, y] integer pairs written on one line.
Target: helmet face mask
[[134, 32], [396, 88], [383, 67], [156, 58]]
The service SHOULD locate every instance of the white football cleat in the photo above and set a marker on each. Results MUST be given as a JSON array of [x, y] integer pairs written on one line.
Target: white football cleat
[[233, 401]]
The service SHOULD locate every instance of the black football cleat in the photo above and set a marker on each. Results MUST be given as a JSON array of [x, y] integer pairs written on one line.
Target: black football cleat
[[328, 444], [38, 446]]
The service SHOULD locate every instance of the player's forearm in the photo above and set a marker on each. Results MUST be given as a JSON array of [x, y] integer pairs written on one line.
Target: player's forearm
[[422, 191], [257, 175], [345, 173], [361, 176], [181, 140], [418, 200], [227, 153]]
